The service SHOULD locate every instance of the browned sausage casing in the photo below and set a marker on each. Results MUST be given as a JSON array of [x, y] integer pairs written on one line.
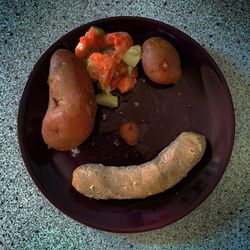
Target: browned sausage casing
[[139, 181], [70, 117]]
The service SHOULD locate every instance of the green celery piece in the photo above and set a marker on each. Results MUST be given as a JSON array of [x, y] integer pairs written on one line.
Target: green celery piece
[[107, 90], [130, 69], [107, 100], [132, 56]]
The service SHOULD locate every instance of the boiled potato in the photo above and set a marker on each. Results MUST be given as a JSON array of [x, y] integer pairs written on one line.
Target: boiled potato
[[161, 61], [70, 117]]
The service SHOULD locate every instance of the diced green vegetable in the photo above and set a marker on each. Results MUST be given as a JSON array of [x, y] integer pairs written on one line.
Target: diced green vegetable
[[107, 100], [130, 69], [98, 30], [132, 56], [89, 63], [107, 90]]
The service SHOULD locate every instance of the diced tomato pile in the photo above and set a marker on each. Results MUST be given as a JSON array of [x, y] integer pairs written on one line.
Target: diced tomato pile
[[103, 54], [101, 67]]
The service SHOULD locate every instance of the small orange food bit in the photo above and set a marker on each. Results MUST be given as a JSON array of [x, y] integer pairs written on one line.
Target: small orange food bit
[[129, 132]]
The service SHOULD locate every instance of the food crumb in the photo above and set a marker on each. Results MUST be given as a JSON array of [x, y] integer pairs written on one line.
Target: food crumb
[[104, 117], [179, 93], [75, 152], [116, 142], [120, 112], [137, 104], [189, 105]]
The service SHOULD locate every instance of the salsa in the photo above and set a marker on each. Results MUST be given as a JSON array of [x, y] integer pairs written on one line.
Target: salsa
[[111, 60]]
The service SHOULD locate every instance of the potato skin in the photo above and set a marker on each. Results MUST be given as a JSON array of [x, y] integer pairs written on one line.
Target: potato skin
[[70, 116], [139, 181], [161, 61]]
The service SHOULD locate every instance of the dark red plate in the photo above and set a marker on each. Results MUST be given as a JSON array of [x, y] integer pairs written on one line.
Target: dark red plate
[[199, 102]]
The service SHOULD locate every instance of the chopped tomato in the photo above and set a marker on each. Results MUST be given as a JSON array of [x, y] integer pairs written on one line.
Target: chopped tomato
[[121, 41], [134, 73], [114, 83], [121, 68], [104, 54], [126, 84], [92, 40], [101, 67], [95, 38], [82, 49], [109, 52]]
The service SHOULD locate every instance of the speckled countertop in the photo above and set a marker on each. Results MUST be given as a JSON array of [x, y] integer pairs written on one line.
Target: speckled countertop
[[28, 220]]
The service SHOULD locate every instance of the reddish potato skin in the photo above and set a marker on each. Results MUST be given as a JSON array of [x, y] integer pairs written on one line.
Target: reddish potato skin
[[161, 61], [70, 116]]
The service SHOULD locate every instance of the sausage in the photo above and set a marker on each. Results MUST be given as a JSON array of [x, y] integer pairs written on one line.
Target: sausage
[[139, 181]]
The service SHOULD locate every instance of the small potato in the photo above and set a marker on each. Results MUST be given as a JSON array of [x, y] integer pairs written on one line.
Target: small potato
[[70, 117], [161, 61]]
